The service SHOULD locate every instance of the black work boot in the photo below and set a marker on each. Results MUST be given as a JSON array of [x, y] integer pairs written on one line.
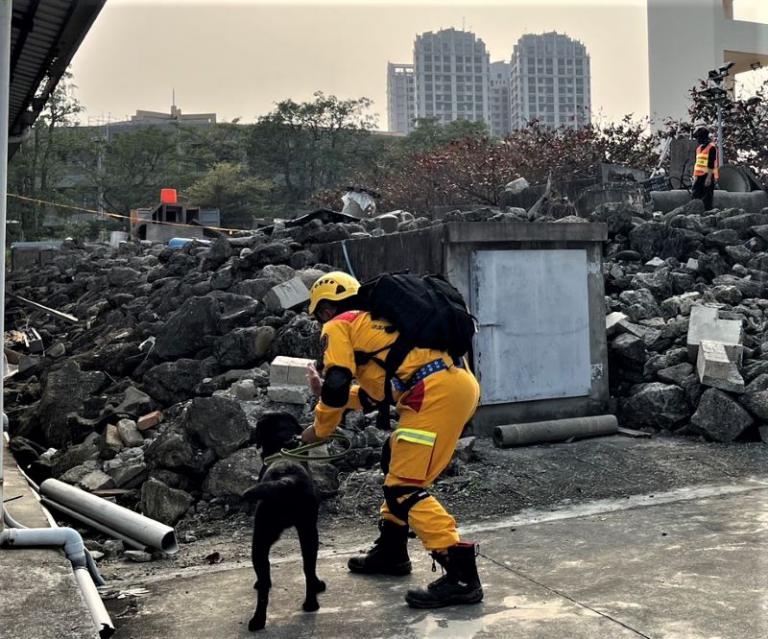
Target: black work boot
[[389, 555], [459, 585]]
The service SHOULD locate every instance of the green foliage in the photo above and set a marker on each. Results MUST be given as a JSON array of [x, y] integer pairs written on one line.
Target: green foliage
[[41, 162], [431, 134], [474, 170], [227, 187], [309, 146]]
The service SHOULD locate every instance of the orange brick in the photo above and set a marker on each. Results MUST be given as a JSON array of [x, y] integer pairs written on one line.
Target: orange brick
[[150, 420]]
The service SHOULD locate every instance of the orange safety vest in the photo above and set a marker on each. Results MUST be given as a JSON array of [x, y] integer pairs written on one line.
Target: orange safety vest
[[702, 161]]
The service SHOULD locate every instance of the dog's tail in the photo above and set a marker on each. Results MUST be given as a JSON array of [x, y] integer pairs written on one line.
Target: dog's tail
[[276, 489]]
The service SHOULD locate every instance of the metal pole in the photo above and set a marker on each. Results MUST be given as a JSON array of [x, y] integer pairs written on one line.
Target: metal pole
[[5, 83], [720, 134]]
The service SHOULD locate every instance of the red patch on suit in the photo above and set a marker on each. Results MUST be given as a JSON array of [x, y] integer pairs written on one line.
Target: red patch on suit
[[415, 397], [349, 316]]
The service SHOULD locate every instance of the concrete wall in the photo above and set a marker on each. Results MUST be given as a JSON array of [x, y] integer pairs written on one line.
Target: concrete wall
[[449, 250], [687, 38]]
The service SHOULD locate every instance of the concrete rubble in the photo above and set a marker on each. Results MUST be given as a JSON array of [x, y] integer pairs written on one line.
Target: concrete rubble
[[156, 391], [692, 285]]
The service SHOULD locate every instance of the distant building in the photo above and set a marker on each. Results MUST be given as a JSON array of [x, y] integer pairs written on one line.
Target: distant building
[[451, 70], [144, 118], [550, 81], [157, 117], [401, 97], [499, 107], [685, 42]]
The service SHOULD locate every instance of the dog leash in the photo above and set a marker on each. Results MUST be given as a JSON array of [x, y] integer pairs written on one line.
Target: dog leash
[[300, 453]]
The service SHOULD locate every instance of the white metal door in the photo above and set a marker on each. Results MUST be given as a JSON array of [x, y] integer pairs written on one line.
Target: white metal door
[[533, 320]]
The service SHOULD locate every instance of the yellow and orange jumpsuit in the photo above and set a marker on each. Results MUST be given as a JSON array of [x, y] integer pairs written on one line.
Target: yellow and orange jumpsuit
[[432, 413]]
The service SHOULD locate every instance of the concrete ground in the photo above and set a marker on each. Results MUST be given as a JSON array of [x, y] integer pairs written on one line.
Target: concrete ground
[[685, 564], [39, 598]]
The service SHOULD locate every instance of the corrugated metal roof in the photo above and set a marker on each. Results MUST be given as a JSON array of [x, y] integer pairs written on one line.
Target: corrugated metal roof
[[45, 34]]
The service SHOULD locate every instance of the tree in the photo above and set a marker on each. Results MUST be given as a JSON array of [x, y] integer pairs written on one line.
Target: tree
[[474, 170], [136, 164], [430, 134], [228, 188], [42, 161], [311, 145]]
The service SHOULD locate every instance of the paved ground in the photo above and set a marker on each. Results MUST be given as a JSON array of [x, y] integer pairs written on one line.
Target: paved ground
[[39, 598], [690, 563]]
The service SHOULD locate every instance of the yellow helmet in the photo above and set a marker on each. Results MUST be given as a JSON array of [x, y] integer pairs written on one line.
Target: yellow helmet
[[333, 287]]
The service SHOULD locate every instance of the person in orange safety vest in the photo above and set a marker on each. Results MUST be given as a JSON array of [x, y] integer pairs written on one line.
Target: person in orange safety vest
[[434, 405], [706, 170]]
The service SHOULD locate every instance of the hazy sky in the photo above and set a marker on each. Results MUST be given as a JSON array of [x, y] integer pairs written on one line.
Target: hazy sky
[[237, 58]]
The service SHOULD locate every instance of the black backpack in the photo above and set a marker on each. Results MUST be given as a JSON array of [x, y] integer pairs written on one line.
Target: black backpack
[[427, 312]]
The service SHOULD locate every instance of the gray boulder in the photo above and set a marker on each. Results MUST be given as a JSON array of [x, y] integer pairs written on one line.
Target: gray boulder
[[66, 391], [756, 403], [617, 215], [173, 382], [232, 476], [217, 423], [655, 239], [75, 455], [135, 403], [720, 417], [166, 505], [244, 346], [658, 405], [186, 330]]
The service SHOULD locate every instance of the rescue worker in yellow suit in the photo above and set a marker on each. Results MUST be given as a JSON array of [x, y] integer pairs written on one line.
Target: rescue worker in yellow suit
[[435, 399]]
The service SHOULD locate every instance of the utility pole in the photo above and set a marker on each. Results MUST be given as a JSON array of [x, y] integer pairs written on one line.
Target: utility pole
[[716, 94]]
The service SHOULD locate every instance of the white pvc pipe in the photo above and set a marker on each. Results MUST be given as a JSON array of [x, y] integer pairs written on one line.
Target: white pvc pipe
[[124, 521], [96, 606], [66, 538], [6, 11]]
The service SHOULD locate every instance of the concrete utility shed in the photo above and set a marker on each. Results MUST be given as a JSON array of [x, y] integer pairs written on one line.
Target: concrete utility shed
[[537, 292]]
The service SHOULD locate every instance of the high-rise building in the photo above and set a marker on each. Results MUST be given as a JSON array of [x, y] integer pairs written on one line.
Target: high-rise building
[[500, 114], [550, 81], [451, 78], [401, 97], [451, 71]]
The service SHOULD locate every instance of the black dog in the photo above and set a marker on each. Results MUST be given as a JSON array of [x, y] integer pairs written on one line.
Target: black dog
[[285, 497]]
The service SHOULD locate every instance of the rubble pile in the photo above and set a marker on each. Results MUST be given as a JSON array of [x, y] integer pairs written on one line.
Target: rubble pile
[[154, 394], [687, 320]]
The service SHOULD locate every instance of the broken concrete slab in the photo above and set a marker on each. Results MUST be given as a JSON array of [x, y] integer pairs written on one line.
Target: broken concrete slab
[[288, 394], [111, 442], [716, 369], [130, 433], [612, 321], [705, 324], [287, 295], [289, 371], [96, 480]]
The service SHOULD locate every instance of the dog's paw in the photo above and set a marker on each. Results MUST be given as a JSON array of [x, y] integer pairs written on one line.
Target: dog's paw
[[311, 605], [257, 622], [319, 586]]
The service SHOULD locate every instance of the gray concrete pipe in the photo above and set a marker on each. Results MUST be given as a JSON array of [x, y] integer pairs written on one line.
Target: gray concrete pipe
[[91, 509], [556, 430], [752, 202]]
